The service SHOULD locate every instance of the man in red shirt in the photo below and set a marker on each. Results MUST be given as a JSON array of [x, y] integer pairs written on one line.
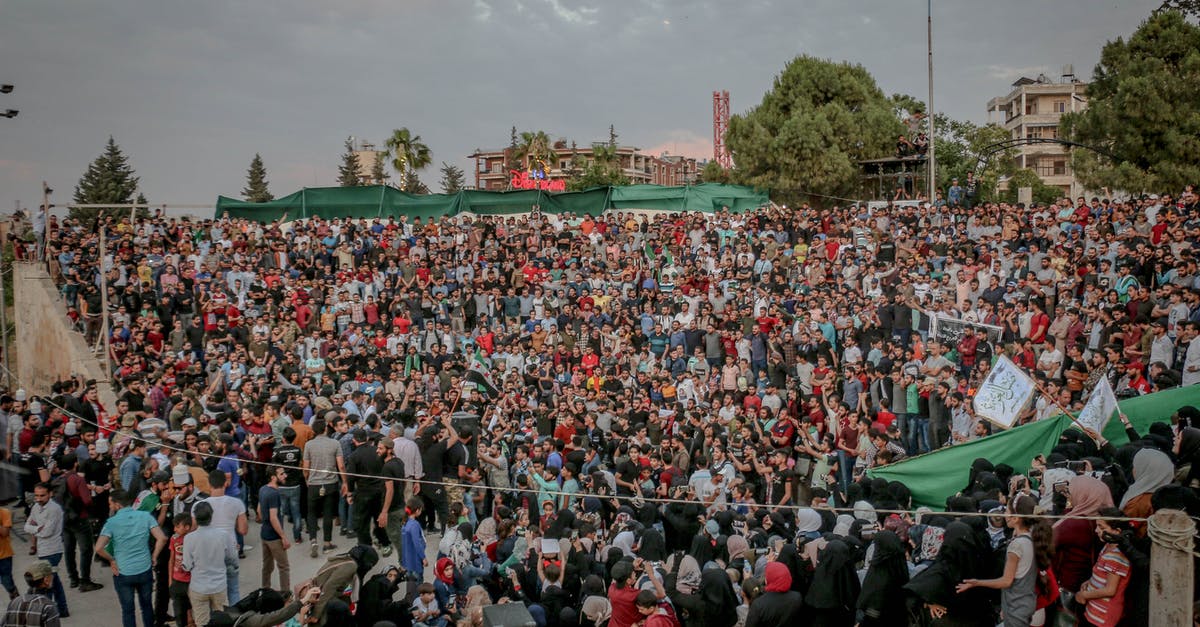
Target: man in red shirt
[[622, 593]]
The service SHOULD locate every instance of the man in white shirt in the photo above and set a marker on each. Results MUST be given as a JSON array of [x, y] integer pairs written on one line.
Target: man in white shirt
[[229, 515], [1191, 363], [45, 522]]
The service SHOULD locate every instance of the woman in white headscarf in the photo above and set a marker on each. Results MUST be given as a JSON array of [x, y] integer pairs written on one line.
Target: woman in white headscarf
[[808, 522], [1152, 469]]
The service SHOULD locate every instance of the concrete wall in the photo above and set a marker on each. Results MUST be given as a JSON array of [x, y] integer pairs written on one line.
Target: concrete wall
[[47, 346]]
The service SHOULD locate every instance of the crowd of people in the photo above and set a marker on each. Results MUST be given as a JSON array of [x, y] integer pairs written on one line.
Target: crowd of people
[[630, 419]]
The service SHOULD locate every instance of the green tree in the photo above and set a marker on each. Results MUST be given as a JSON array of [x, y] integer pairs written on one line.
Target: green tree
[[256, 182], [348, 170], [453, 178], [408, 154], [714, 173], [605, 168], [379, 174], [811, 128], [958, 146], [1144, 109], [536, 151], [412, 184], [1042, 193], [109, 180]]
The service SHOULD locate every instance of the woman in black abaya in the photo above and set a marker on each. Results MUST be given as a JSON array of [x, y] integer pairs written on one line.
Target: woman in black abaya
[[835, 587], [882, 597], [931, 598]]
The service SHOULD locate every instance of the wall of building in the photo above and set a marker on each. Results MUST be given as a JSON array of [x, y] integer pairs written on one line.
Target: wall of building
[[47, 346]]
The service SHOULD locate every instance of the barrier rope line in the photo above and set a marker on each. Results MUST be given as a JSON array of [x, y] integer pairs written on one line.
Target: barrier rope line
[[1181, 540], [648, 499]]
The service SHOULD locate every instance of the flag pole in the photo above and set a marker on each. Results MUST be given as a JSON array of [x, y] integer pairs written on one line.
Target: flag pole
[[1091, 434]]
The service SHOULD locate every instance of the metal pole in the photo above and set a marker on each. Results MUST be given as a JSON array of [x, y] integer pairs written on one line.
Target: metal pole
[[45, 220], [932, 159], [104, 330]]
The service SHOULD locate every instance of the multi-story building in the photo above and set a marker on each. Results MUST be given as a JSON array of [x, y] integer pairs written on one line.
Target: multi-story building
[[367, 155], [1033, 109], [493, 171]]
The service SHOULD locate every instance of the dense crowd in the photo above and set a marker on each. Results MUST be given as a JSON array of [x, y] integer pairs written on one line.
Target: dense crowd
[[628, 419]]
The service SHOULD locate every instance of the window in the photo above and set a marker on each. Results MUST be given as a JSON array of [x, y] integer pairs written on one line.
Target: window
[[1060, 167], [1060, 106], [1031, 108]]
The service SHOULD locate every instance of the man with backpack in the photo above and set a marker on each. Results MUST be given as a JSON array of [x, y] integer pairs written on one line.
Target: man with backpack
[[77, 525]]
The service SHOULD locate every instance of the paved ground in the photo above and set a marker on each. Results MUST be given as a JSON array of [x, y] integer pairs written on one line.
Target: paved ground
[[101, 607]]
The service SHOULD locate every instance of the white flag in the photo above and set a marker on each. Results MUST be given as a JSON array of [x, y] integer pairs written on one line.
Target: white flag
[[1099, 409], [1004, 394]]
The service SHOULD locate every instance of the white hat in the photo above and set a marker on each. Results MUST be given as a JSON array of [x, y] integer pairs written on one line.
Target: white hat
[[101, 445], [180, 475], [35, 408], [69, 428], [190, 422], [20, 395]]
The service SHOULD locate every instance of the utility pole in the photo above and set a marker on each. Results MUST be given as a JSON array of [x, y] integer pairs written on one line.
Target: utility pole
[[932, 158], [4, 328], [104, 302]]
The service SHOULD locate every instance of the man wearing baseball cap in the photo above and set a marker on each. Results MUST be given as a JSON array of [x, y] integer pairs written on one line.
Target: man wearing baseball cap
[[35, 607]]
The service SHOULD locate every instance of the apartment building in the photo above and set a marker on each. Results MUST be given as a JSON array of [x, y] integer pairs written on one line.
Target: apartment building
[[1034, 108]]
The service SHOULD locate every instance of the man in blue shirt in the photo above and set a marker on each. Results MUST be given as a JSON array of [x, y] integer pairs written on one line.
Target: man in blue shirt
[[131, 557], [229, 465], [132, 464]]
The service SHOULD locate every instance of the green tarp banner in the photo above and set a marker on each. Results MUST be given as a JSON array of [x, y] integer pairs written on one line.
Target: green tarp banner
[[380, 201], [943, 473]]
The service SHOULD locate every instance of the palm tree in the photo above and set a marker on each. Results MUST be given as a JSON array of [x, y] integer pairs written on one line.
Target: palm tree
[[407, 152], [537, 148]]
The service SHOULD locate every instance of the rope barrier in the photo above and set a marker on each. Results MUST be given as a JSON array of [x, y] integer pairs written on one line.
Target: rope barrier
[[1181, 540], [649, 499]]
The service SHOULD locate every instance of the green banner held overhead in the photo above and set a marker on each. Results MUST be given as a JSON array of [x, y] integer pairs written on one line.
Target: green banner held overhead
[[935, 476], [381, 201]]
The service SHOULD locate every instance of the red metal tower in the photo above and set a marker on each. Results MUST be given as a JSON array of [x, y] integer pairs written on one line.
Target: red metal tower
[[720, 127]]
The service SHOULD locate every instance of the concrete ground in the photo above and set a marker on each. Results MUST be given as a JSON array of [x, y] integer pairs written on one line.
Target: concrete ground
[[101, 607]]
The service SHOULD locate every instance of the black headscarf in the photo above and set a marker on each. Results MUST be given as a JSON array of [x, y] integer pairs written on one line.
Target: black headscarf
[[720, 603], [789, 555], [979, 465], [886, 575], [365, 557], [652, 547], [835, 583]]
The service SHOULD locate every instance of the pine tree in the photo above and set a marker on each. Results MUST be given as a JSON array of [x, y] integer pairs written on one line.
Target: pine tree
[[378, 173], [348, 170], [256, 182], [452, 178], [412, 184], [109, 180]]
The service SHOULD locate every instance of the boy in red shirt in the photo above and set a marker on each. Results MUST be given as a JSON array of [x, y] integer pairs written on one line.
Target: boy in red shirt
[[180, 578]]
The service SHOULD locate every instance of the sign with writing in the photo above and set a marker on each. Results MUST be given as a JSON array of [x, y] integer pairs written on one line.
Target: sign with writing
[[949, 331], [536, 180], [1099, 409], [1004, 394]]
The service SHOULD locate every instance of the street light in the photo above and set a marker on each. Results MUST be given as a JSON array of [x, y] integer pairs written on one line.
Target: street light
[[10, 113], [6, 89]]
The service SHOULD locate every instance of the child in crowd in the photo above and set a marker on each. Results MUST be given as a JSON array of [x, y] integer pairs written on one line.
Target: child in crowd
[[413, 552], [1104, 594], [180, 578], [425, 609]]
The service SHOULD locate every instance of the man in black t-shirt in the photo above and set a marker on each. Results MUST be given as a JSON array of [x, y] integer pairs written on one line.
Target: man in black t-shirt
[[363, 469], [391, 516], [290, 456], [33, 467]]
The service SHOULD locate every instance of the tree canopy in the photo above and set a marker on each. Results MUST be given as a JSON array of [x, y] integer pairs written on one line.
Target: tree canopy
[[453, 178], [256, 182], [109, 180], [1143, 108], [348, 169], [408, 154], [806, 135], [958, 144]]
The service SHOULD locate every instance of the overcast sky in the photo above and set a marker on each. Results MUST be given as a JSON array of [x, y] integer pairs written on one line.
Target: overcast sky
[[192, 89]]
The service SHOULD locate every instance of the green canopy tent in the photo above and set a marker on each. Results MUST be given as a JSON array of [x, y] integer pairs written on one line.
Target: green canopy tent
[[379, 201], [934, 476]]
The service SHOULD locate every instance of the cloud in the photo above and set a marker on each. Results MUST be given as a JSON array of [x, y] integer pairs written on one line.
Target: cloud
[[483, 11], [1008, 72], [583, 15]]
